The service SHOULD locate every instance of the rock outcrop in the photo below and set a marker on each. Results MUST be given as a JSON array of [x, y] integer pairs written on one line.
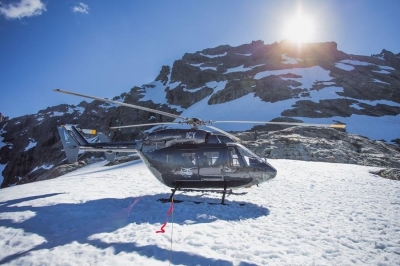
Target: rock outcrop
[[322, 145], [393, 59], [366, 86]]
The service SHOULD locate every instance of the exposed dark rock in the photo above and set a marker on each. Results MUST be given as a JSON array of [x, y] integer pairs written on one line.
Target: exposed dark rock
[[322, 145], [393, 59], [270, 127], [184, 98], [233, 90], [54, 172], [273, 89], [123, 159], [192, 76], [163, 76], [389, 173]]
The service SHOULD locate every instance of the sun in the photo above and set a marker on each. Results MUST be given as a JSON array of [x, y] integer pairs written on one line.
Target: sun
[[299, 29]]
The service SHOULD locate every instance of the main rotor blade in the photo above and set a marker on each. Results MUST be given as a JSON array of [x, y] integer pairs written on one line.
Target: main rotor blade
[[122, 104], [144, 125], [285, 123], [225, 133]]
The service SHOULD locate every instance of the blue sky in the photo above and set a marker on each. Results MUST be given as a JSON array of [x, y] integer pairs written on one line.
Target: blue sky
[[104, 48]]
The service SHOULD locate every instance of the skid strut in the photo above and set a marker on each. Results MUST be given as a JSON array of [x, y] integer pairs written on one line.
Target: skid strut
[[173, 193], [224, 193]]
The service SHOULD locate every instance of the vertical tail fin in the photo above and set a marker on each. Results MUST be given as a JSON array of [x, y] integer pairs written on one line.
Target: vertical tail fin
[[73, 139], [70, 145], [78, 136]]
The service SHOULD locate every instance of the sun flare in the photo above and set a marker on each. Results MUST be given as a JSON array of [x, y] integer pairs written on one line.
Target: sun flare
[[299, 29]]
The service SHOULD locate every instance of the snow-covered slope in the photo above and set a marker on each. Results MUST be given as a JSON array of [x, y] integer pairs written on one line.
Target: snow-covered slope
[[252, 107], [311, 214]]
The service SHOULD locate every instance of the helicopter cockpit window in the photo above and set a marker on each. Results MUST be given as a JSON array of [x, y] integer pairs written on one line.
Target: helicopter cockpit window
[[250, 158]]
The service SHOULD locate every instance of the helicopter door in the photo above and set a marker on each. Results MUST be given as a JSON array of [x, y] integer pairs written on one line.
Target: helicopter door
[[210, 164], [186, 162], [234, 170]]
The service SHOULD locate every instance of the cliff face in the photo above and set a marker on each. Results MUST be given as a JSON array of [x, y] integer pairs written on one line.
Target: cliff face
[[391, 58], [280, 81]]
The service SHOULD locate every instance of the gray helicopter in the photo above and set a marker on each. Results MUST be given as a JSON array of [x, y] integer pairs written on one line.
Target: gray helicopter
[[184, 159]]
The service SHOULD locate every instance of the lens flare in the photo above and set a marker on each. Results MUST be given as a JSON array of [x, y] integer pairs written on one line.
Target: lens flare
[[299, 29]]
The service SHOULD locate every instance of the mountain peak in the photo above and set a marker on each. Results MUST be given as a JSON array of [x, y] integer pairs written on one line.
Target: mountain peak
[[312, 83]]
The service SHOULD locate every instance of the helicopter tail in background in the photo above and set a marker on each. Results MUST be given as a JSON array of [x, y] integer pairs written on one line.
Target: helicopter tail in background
[[73, 142], [71, 147]]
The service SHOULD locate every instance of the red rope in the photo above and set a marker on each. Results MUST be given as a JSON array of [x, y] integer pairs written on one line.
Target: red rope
[[166, 220]]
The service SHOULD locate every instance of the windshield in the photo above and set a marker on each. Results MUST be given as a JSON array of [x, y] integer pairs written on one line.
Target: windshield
[[249, 157]]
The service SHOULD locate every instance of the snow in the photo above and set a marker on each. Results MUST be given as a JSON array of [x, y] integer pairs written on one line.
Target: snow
[[241, 68], [46, 167], [157, 94], [289, 60], [355, 62], [387, 67], [208, 68], [384, 69], [356, 106], [310, 214], [71, 110], [245, 54], [344, 66], [381, 71], [257, 110], [196, 65], [193, 90], [380, 81], [237, 69], [55, 113], [31, 144], [348, 65], [379, 57], [213, 56], [309, 75]]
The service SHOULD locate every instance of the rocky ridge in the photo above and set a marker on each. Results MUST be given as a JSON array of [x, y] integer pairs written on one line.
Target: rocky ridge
[[369, 87], [322, 145]]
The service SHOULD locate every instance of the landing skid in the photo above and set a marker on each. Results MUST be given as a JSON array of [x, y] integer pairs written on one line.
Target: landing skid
[[222, 191]]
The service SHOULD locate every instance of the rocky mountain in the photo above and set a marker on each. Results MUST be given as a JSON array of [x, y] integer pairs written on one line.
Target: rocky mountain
[[314, 83]]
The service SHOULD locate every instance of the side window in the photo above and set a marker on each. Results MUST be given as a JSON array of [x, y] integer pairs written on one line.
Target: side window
[[189, 158], [233, 158], [208, 158]]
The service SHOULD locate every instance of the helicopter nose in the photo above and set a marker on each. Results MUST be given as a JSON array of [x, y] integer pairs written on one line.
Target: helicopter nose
[[271, 172]]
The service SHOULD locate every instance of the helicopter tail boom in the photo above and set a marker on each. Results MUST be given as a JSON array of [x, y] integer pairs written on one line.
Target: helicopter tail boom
[[73, 141]]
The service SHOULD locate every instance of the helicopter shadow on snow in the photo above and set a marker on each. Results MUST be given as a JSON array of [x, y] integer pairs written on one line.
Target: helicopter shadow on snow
[[64, 223], [198, 208]]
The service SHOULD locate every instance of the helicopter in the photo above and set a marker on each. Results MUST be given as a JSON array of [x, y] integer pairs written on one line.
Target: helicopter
[[191, 159]]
